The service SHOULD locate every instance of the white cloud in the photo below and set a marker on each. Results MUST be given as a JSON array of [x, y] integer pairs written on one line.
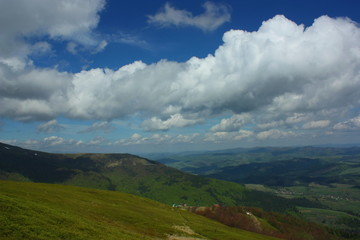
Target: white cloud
[[127, 38], [214, 16], [351, 124], [296, 118], [50, 127], [33, 94], [274, 134], [98, 141], [136, 136], [27, 92], [101, 46], [243, 134], [300, 74], [67, 19], [316, 124], [133, 140], [53, 140], [157, 138], [175, 121], [228, 136], [234, 123]]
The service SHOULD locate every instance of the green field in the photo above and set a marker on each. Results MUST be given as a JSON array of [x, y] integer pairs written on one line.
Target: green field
[[323, 215], [47, 211]]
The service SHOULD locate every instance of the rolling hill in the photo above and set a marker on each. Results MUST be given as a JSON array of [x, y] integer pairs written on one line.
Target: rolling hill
[[49, 211], [131, 174], [329, 176]]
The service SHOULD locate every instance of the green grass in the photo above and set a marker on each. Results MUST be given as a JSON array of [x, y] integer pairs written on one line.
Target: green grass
[[338, 197], [130, 174], [47, 211], [325, 216]]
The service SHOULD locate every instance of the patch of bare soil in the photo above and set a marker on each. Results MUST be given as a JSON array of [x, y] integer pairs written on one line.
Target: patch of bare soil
[[185, 229]]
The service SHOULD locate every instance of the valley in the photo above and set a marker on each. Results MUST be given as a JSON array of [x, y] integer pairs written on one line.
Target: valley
[[327, 176], [304, 192]]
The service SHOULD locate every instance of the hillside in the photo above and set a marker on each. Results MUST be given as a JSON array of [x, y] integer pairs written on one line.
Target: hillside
[[327, 175], [268, 223], [48, 211], [131, 174], [139, 176]]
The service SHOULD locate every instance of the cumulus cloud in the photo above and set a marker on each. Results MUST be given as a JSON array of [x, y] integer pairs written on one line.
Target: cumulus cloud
[[53, 140], [228, 136], [50, 127], [33, 94], [185, 138], [232, 124], [175, 121], [300, 74], [30, 93], [68, 20], [214, 16], [282, 67]]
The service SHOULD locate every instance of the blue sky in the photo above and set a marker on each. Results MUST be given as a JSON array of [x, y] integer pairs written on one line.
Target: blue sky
[[158, 76]]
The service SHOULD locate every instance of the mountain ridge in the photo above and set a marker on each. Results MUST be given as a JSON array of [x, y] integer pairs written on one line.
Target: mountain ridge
[[131, 174]]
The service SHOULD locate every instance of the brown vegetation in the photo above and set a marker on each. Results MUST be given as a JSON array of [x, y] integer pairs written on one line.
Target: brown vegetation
[[268, 223]]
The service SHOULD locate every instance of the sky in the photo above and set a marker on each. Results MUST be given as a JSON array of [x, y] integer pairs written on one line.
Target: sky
[[167, 76]]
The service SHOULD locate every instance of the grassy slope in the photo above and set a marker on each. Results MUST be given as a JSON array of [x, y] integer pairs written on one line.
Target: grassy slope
[[269, 223], [130, 174], [49, 211]]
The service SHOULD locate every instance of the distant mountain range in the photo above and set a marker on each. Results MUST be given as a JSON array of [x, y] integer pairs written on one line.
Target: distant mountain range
[[242, 164]]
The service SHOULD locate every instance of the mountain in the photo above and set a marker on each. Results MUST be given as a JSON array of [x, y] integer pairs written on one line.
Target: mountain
[[295, 171], [49, 211], [131, 174], [205, 163]]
